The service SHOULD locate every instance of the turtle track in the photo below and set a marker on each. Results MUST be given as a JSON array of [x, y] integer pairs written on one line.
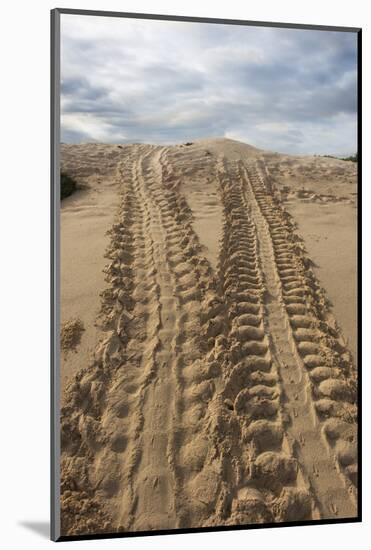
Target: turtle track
[[194, 286], [132, 417], [316, 370], [172, 410], [262, 478]]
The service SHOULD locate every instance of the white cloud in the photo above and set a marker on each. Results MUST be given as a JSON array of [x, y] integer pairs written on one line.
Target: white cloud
[[165, 81]]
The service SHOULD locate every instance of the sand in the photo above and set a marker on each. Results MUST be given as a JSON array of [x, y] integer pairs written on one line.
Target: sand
[[86, 217], [214, 382]]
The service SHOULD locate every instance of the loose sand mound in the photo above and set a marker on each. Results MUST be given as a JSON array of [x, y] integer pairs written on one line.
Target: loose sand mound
[[71, 332], [218, 388]]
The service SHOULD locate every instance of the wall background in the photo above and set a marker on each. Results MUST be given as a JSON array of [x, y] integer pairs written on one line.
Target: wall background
[[24, 228]]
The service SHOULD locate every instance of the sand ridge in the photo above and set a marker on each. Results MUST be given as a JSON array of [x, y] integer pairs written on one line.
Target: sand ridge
[[221, 391]]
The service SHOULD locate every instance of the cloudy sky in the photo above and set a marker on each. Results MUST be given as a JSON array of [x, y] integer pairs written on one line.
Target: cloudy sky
[[287, 90]]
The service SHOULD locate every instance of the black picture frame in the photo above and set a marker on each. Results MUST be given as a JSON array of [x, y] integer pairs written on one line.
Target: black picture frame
[[55, 264]]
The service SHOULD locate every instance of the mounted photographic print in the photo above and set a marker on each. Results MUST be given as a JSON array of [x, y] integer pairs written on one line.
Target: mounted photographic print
[[205, 179]]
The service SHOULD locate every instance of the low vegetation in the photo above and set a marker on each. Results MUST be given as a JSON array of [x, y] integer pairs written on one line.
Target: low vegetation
[[68, 185], [352, 158]]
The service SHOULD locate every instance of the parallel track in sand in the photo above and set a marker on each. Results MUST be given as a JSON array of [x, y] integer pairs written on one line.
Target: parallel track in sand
[[313, 454], [214, 398], [152, 479]]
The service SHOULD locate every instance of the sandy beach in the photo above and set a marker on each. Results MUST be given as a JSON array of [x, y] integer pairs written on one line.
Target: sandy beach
[[208, 304]]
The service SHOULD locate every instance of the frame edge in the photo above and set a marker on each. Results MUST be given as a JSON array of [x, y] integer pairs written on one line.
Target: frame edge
[[54, 276]]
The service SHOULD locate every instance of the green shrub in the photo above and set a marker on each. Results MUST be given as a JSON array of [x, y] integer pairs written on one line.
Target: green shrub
[[353, 158], [68, 185]]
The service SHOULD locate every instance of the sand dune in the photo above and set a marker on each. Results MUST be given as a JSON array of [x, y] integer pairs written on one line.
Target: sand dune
[[219, 388]]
